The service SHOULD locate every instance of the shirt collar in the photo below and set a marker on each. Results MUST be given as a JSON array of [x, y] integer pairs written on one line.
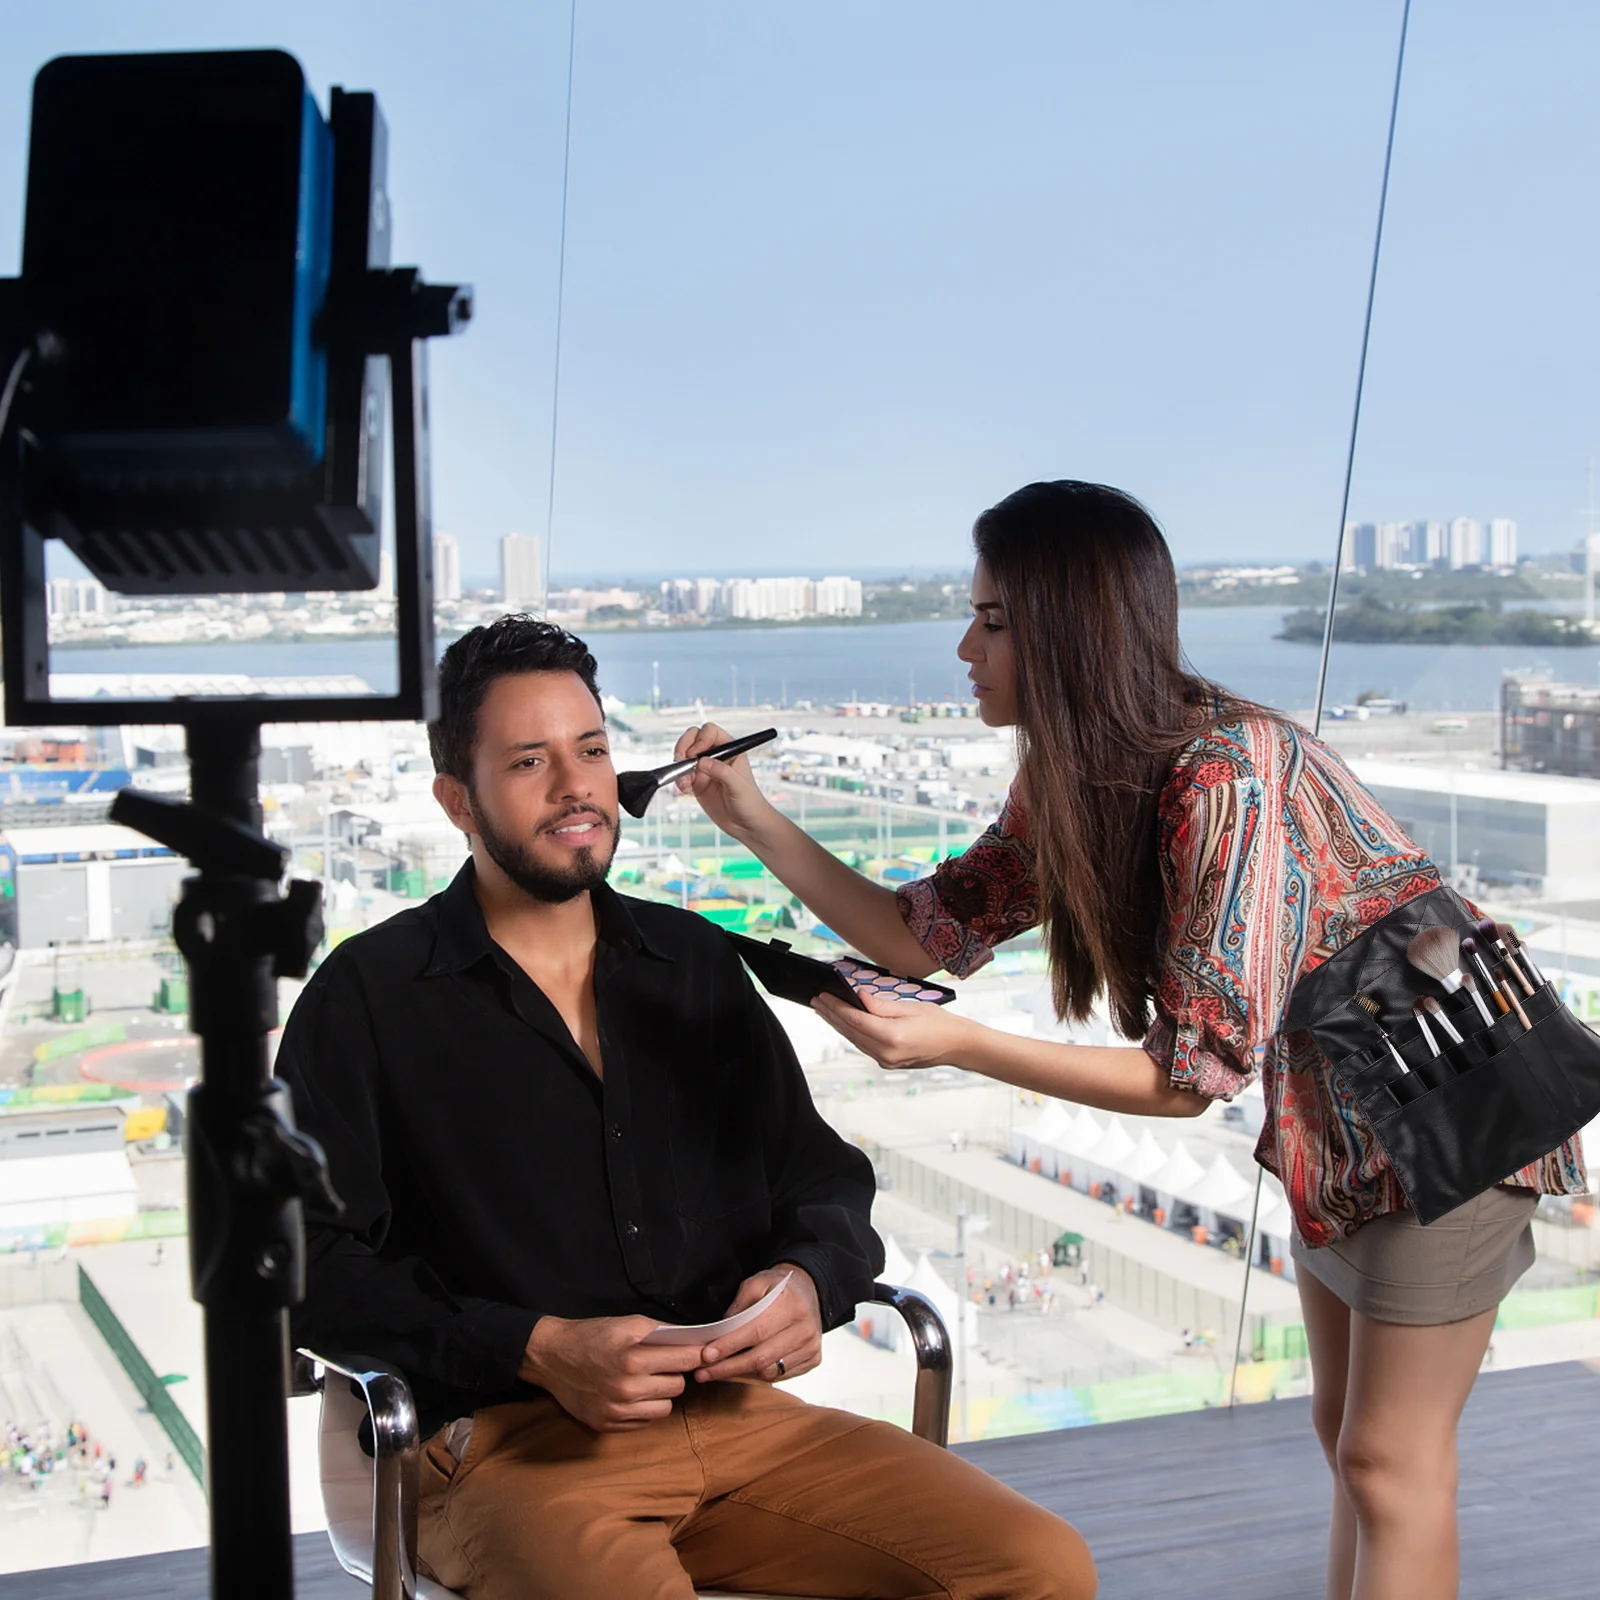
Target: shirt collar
[[463, 935]]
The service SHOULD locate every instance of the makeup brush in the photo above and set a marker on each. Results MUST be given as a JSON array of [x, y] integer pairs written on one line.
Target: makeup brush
[[1375, 1012], [1520, 951], [1437, 952], [1421, 1010], [1469, 948], [636, 789], [1439, 1015], [1491, 931], [1502, 995]]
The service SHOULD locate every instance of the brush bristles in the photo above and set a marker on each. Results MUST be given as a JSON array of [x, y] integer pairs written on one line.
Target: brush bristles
[[1436, 951], [1368, 1004]]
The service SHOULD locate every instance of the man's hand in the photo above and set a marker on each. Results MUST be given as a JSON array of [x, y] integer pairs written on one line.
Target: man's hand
[[789, 1330], [598, 1371]]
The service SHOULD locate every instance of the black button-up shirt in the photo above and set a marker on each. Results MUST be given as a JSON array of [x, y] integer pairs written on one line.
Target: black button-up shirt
[[491, 1177]]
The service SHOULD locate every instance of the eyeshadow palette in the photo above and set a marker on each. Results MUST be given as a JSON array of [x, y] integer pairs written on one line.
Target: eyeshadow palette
[[795, 977], [865, 978]]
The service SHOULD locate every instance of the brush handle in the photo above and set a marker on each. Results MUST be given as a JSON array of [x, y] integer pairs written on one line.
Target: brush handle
[[722, 752], [1520, 951], [1500, 954], [1476, 958], [1427, 1033], [1517, 973], [1437, 1011], [1477, 1000]]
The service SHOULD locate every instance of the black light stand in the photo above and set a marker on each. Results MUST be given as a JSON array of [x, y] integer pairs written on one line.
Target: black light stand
[[249, 1168]]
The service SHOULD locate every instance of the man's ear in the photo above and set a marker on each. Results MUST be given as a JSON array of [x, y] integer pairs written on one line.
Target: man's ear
[[456, 803]]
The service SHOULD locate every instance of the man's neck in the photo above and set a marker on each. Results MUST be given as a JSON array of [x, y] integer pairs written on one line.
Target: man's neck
[[535, 933]]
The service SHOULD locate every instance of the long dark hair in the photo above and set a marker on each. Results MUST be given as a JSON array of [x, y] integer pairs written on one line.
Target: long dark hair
[[1105, 701]]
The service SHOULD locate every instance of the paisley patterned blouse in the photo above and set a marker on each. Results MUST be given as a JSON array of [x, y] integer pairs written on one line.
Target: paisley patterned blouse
[[1273, 857]]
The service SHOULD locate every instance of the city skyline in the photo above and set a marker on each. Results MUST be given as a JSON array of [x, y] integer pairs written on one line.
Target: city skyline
[[1453, 543]]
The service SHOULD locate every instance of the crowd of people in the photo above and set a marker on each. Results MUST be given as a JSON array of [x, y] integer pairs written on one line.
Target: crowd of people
[[32, 1455], [1019, 1284]]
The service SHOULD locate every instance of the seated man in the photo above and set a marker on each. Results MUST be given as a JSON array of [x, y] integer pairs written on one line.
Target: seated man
[[558, 1117]]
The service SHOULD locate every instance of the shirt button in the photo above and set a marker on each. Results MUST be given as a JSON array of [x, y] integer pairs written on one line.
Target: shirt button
[[616, 1130], [630, 1230]]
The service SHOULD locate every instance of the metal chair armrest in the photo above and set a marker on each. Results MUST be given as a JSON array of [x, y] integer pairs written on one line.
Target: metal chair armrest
[[394, 1479], [930, 1406]]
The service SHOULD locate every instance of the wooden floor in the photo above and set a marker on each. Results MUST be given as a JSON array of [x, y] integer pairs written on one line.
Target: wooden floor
[[1208, 1506]]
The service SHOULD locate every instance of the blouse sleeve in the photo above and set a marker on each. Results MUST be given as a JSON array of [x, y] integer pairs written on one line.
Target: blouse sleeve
[[1231, 942], [976, 900]]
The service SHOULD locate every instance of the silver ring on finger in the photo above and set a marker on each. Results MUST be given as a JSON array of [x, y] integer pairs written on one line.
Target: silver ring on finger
[[781, 1368]]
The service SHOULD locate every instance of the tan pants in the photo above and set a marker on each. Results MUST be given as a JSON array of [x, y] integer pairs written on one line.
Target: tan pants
[[742, 1487]]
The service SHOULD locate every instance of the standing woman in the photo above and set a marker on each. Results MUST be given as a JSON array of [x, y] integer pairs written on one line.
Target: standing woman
[[1190, 855]]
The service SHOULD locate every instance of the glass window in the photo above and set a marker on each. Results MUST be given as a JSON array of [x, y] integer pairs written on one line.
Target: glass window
[[1465, 671]]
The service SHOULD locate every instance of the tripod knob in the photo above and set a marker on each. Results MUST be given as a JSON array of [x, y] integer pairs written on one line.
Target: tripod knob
[[297, 929]]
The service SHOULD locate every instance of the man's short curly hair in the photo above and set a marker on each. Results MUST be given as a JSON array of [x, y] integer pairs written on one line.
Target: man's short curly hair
[[500, 649]]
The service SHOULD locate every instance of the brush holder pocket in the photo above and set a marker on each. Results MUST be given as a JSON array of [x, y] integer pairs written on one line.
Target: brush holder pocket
[[1456, 1123]]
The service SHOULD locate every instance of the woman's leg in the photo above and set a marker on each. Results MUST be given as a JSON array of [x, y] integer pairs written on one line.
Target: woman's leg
[[1397, 1451], [1327, 1321]]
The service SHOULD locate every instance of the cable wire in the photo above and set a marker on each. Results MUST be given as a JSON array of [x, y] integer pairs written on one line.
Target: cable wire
[[1333, 584], [561, 285], [1361, 375]]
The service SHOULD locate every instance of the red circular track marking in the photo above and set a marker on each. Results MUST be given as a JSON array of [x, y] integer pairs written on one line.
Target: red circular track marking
[[96, 1065]]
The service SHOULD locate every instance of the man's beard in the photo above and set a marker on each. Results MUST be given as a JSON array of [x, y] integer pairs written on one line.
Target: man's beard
[[550, 885]]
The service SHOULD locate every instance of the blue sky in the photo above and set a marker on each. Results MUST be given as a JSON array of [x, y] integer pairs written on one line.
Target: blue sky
[[841, 275]]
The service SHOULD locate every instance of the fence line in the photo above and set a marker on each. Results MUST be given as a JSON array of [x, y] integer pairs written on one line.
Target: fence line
[[151, 1389]]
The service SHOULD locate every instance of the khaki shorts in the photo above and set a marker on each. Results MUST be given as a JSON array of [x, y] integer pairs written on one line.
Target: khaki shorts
[[1393, 1269]]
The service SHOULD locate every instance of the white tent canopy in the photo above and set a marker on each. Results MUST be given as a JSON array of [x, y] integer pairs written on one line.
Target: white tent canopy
[[1112, 1148], [1147, 1159], [1221, 1190], [1180, 1173], [1276, 1220], [896, 1263], [926, 1281], [880, 1324], [1083, 1133], [1049, 1125], [1038, 1138]]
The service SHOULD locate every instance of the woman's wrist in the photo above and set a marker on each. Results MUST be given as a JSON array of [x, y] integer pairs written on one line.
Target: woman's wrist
[[969, 1050], [763, 832]]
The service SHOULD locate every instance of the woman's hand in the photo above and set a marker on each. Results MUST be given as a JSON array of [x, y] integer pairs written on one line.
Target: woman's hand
[[900, 1034], [727, 790]]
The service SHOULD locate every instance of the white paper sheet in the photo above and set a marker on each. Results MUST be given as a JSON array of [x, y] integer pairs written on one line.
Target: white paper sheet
[[710, 1332]]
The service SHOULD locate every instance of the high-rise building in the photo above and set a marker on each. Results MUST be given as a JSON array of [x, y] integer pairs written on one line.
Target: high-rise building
[[446, 567], [521, 573], [76, 597], [1466, 543], [1361, 540], [1392, 547], [838, 597], [767, 599], [1435, 543], [1502, 542], [677, 596]]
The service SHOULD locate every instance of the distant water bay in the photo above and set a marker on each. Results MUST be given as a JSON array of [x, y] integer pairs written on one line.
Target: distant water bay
[[1234, 645]]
